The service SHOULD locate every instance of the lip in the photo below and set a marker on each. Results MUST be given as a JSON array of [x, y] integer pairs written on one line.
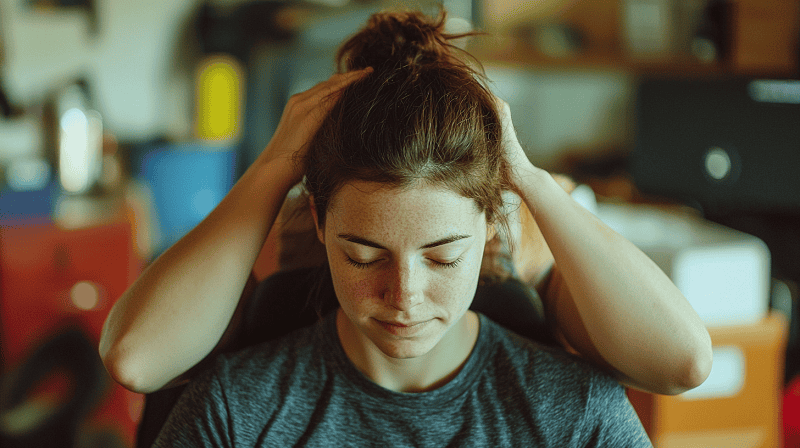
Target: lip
[[403, 328]]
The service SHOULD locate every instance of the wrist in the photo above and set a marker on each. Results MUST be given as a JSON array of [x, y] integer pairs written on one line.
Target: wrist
[[525, 176], [536, 186], [279, 171]]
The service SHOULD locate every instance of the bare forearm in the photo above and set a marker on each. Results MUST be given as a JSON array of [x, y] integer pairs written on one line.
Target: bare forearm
[[176, 312], [636, 318]]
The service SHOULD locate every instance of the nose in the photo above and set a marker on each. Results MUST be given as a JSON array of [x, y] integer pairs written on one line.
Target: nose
[[405, 288]]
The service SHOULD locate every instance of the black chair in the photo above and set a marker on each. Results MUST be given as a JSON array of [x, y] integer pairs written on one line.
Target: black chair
[[70, 354], [290, 300]]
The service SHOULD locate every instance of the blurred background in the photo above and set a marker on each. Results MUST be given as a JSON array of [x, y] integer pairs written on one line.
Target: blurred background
[[122, 124]]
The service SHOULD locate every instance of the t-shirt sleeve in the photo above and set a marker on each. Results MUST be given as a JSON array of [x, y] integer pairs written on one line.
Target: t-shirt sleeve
[[612, 420], [201, 416]]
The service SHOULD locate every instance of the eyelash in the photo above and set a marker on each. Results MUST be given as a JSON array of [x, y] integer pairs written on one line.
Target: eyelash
[[452, 264], [357, 264]]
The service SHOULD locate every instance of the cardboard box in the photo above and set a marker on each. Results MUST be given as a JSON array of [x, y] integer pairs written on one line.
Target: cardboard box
[[764, 36], [739, 405]]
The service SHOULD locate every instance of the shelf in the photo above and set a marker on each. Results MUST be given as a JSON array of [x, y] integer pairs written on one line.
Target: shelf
[[515, 52]]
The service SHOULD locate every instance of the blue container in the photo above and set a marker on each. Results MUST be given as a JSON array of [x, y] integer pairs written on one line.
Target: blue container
[[23, 207], [187, 182]]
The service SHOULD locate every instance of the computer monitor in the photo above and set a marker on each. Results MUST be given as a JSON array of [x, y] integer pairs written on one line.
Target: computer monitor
[[723, 145]]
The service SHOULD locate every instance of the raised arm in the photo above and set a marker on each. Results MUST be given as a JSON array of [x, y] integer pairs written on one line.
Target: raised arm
[[610, 301], [178, 309]]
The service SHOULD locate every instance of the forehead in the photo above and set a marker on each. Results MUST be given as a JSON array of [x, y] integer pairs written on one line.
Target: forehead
[[420, 210]]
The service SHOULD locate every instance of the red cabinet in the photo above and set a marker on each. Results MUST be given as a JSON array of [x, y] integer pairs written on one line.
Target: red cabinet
[[51, 278]]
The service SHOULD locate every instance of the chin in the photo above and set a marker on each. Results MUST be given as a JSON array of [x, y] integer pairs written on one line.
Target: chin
[[399, 347], [405, 349]]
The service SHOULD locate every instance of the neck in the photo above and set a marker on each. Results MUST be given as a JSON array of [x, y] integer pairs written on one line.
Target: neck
[[420, 374]]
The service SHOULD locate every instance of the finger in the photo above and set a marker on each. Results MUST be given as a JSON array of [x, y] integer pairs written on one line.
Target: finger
[[339, 81], [509, 133], [356, 73], [502, 107], [322, 97]]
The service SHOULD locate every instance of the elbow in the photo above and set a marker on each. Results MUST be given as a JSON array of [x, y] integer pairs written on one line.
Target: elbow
[[700, 367], [695, 370], [126, 371]]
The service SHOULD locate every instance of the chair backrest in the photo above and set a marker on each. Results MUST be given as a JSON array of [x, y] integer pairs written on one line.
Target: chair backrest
[[290, 300]]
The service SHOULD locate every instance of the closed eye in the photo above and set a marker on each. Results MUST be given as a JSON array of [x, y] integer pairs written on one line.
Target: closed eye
[[452, 264], [360, 265]]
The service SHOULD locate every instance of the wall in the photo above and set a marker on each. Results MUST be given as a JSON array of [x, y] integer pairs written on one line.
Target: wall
[[141, 93], [555, 111], [129, 63]]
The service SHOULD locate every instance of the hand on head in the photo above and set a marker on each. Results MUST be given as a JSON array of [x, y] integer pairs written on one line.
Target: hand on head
[[301, 119], [516, 162]]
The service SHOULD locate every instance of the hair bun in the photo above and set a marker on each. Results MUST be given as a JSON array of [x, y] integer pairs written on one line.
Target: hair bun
[[397, 39]]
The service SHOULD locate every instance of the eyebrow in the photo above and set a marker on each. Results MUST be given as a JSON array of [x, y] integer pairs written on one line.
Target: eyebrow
[[365, 242]]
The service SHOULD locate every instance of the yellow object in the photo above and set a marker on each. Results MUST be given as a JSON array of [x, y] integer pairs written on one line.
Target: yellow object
[[219, 99]]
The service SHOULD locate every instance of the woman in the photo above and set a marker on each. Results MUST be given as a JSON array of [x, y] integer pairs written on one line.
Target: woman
[[405, 156]]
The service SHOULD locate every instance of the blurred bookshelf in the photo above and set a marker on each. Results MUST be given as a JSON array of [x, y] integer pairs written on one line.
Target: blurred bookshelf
[[691, 38], [516, 52]]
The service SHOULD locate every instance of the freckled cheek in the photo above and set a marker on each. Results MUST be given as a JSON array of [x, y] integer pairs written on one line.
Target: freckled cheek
[[451, 292], [459, 290], [364, 289], [356, 289]]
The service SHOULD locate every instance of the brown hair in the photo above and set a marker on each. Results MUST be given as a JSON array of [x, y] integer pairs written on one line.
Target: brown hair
[[423, 114]]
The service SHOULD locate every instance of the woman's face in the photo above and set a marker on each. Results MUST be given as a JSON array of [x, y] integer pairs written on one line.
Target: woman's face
[[404, 261]]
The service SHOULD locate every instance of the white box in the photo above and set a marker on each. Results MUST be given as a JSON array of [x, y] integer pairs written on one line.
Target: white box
[[724, 273]]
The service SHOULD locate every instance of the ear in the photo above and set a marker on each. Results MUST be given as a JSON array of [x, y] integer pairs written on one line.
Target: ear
[[313, 207]]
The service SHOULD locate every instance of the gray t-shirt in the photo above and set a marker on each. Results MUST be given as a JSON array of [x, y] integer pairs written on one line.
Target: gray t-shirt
[[302, 390]]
